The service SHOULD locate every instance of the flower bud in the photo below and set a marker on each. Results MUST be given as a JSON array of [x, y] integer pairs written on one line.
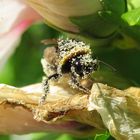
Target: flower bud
[[90, 18]]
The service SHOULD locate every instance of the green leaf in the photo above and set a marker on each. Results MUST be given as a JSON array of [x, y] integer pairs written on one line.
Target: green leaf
[[45, 136], [4, 137], [102, 136], [93, 25], [132, 17], [117, 6]]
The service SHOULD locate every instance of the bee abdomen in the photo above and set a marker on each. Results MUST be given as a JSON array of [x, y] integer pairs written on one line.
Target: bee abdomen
[[69, 49]]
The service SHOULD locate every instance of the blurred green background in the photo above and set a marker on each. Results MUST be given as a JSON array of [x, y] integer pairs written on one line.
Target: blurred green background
[[24, 68]]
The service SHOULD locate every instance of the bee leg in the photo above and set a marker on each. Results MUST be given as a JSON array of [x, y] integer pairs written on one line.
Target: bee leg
[[75, 81], [45, 84]]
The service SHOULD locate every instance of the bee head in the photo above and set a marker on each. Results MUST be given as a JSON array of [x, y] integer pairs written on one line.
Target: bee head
[[84, 65], [89, 67]]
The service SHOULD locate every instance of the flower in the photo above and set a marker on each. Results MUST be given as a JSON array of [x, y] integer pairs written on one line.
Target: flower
[[15, 18], [90, 18], [57, 13]]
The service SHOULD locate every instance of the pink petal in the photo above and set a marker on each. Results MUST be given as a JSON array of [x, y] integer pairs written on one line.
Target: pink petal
[[15, 18], [9, 41]]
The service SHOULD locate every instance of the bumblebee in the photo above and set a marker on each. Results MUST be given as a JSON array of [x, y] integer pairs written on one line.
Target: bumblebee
[[71, 57]]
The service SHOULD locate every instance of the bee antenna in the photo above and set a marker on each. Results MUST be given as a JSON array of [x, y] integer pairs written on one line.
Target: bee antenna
[[108, 65]]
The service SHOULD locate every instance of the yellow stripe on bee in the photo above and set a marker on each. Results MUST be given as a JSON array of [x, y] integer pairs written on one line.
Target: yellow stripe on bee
[[74, 52]]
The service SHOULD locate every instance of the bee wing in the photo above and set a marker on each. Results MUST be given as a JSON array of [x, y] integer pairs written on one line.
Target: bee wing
[[49, 41]]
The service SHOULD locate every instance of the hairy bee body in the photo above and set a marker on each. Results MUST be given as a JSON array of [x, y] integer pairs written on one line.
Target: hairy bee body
[[68, 56]]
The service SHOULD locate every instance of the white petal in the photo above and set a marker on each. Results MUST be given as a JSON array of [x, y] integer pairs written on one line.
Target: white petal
[[58, 12], [15, 17], [9, 41], [9, 12]]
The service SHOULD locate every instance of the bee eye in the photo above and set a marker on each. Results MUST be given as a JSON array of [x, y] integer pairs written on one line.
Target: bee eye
[[78, 66]]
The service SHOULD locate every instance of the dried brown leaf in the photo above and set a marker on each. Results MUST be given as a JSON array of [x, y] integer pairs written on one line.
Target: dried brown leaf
[[63, 111], [119, 109]]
